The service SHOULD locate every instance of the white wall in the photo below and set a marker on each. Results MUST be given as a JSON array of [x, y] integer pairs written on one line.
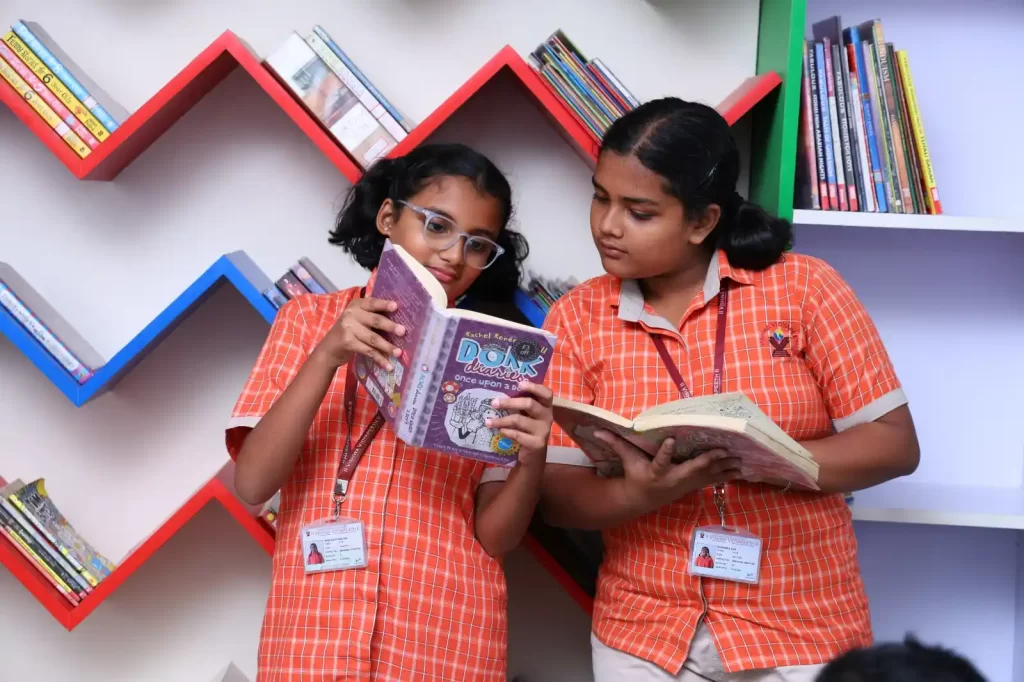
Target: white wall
[[236, 173]]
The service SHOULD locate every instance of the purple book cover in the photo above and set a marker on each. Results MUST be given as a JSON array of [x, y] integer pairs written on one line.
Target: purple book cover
[[453, 364]]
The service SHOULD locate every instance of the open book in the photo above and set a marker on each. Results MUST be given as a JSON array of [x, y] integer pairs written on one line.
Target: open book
[[730, 421], [454, 362]]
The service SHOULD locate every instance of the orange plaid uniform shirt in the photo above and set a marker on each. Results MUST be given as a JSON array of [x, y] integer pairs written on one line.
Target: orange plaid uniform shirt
[[803, 348], [431, 605]]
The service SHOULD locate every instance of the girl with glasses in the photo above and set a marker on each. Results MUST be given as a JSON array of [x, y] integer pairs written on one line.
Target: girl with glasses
[[428, 600]]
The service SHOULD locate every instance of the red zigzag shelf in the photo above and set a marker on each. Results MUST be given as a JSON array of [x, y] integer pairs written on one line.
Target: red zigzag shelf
[[173, 101]]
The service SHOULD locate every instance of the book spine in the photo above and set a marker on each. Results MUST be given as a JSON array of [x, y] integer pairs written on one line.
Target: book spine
[[833, 115], [917, 125], [426, 363], [55, 85], [901, 180], [65, 76], [51, 100], [807, 131], [39, 565], [857, 108], [870, 132], [44, 110], [77, 565], [819, 143], [562, 95], [826, 127], [844, 128], [906, 136], [607, 73], [47, 557], [43, 335], [889, 173], [307, 279], [852, 107], [446, 333], [406, 124], [364, 95], [548, 56], [578, 65]]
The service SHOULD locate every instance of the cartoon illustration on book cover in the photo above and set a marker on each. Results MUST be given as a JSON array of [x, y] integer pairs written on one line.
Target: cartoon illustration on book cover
[[467, 418]]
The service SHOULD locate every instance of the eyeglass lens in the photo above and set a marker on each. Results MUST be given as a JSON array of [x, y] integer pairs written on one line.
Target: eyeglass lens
[[440, 234]]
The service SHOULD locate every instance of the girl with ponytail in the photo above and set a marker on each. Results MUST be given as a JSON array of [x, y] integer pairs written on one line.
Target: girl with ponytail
[[701, 297], [425, 532]]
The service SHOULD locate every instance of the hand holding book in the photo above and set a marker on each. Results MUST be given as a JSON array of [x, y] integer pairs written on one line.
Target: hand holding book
[[649, 483], [528, 422], [354, 332]]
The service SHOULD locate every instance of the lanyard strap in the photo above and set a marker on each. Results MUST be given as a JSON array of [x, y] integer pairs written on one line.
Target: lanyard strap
[[684, 390], [350, 456]]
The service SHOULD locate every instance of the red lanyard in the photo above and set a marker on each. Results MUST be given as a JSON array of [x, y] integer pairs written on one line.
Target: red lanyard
[[684, 390], [670, 365], [350, 456]]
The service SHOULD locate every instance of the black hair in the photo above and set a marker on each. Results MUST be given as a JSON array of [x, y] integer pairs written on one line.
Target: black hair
[[691, 147], [355, 229], [907, 661]]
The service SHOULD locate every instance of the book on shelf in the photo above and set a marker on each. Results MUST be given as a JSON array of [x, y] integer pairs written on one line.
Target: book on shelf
[[32, 524], [862, 140], [454, 364], [544, 291], [587, 87], [334, 104], [57, 89], [730, 421], [46, 326], [302, 278]]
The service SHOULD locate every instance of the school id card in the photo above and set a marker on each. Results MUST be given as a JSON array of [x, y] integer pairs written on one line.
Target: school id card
[[333, 546], [726, 554]]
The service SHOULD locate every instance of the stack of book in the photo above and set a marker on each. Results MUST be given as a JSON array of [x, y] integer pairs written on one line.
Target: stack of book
[[330, 86], [57, 89], [587, 87], [45, 325], [302, 278], [544, 292], [862, 139], [32, 524]]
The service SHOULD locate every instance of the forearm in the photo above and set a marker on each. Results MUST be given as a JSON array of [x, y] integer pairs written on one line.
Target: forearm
[[576, 497], [271, 449], [502, 519], [866, 455]]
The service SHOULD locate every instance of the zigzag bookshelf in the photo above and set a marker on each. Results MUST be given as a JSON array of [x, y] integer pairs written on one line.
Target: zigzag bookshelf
[[189, 86]]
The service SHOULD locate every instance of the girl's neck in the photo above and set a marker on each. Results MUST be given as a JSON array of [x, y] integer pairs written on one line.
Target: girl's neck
[[670, 294]]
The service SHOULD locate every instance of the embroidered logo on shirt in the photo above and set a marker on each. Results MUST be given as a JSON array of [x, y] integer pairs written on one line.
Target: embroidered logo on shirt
[[779, 336]]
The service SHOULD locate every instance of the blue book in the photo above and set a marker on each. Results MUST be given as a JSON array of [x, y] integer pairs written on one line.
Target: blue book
[[826, 122], [102, 105]]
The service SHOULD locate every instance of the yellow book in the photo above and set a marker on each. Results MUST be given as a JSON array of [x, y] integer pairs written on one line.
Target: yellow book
[[44, 110], [55, 85], [59, 546], [917, 126], [42, 564]]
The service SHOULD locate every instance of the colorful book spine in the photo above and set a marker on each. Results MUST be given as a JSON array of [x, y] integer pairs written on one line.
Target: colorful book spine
[[43, 109], [834, 123], [27, 513], [56, 86], [856, 105], [21, 536], [10, 301], [917, 126], [74, 579], [901, 179], [307, 279], [807, 135], [826, 127], [404, 121], [377, 109], [882, 129], [819, 141], [58, 107], [65, 76], [610, 77], [870, 129], [274, 295]]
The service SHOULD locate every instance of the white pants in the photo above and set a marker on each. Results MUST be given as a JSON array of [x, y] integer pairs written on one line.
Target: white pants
[[702, 664]]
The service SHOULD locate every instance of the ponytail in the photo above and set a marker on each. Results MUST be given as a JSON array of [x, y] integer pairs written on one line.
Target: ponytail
[[690, 145], [751, 238], [355, 228]]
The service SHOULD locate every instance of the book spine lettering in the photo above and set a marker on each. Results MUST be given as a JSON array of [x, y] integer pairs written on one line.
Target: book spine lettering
[[425, 363], [77, 565], [44, 110], [819, 143], [906, 136], [361, 92], [51, 100], [889, 171], [807, 135], [40, 567], [871, 134], [447, 329], [23, 534], [844, 129], [43, 335], [826, 127], [833, 115], [65, 76], [927, 171], [53, 557], [901, 180], [857, 108]]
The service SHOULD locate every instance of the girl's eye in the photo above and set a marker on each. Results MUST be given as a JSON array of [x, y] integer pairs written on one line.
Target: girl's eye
[[477, 246], [641, 216], [435, 226], [601, 199]]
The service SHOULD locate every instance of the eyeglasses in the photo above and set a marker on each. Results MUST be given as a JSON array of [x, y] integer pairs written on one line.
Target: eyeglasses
[[441, 233]]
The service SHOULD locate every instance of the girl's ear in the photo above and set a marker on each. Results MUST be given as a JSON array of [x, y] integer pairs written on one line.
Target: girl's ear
[[386, 217], [704, 225]]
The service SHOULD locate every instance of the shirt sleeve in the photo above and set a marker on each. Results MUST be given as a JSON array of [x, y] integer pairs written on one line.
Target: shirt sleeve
[[280, 359], [846, 353], [567, 379]]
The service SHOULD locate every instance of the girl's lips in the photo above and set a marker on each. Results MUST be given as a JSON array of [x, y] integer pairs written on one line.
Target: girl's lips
[[443, 276], [610, 251]]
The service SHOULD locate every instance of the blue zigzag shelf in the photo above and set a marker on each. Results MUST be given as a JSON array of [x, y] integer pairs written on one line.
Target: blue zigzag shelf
[[235, 268]]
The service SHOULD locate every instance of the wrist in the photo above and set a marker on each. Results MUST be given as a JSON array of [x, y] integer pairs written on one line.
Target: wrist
[[324, 360]]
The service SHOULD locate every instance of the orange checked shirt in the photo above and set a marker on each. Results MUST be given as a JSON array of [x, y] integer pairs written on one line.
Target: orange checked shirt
[[803, 348], [431, 605]]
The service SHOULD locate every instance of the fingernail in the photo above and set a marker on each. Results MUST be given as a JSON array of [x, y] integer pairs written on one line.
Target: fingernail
[[495, 403], [524, 384], [487, 422], [400, 330]]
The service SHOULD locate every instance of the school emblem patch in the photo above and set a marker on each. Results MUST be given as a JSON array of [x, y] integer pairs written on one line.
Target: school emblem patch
[[778, 337]]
